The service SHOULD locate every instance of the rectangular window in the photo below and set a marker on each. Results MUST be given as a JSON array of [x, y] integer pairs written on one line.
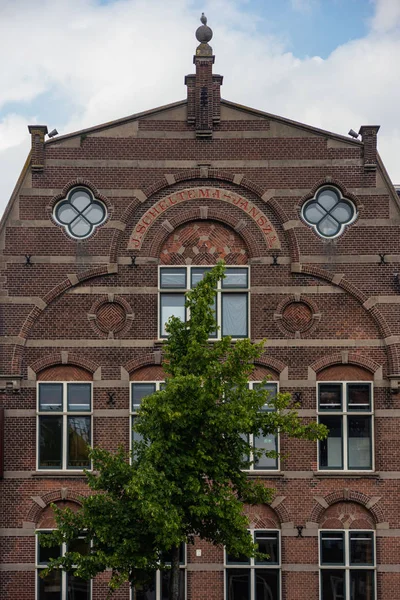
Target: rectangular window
[[231, 304], [347, 565], [346, 410], [157, 587], [64, 425], [269, 442], [252, 579], [59, 585], [139, 390]]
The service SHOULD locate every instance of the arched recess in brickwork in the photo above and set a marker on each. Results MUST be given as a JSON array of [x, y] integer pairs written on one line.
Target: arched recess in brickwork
[[64, 373], [272, 363], [143, 361], [63, 360], [261, 372], [207, 173], [347, 515], [161, 235], [345, 359], [263, 516], [42, 503], [148, 373], [346, 495], [55, 292], [47, 518], [203, 242], [376, 315]]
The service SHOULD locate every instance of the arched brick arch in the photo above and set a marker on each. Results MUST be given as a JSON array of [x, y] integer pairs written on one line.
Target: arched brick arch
[[40, 503], [209, 174], [337, 358], [263, 516], [162, 234], [346, 495], [55, 358], [54, 293], [143, 361], [271, 362]]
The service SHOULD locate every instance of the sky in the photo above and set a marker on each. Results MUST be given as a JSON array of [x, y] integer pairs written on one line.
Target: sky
[[72, 64]]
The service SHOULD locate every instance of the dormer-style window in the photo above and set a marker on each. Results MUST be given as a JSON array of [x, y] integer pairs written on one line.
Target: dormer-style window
[[328, 212], [80, 213]]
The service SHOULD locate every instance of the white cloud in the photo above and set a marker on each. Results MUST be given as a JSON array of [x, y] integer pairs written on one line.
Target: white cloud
[[109, 61]]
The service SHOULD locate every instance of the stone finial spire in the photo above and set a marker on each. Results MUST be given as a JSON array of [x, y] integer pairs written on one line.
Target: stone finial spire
[[204, 99]]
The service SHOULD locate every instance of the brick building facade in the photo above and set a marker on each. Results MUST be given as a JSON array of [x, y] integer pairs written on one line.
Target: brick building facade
[[106, 229]]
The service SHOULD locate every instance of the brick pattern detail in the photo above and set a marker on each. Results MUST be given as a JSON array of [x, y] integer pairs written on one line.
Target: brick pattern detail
[[347, 495], [111, 317], [150, 373], [345, 373], [353, 357], [55, 358], [347, 515], [47, 519], [54, 496], [202, 243], [262, 516], [297, 316], [64, 373]]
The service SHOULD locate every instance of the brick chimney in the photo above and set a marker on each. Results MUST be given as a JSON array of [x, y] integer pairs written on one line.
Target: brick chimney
[[204, 97], [37, 146], [368, 136]]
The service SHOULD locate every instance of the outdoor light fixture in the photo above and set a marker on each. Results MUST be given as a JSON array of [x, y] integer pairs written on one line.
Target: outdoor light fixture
[[351, 132], [53, 133]]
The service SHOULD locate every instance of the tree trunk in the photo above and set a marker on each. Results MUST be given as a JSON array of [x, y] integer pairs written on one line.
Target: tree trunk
[[174, 575]]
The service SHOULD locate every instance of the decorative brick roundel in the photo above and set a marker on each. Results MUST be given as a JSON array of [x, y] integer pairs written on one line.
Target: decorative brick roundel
[[297, 316], [111, 316]]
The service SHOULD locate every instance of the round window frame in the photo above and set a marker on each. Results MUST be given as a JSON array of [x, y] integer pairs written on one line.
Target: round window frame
[[66, 199], [341, 198]]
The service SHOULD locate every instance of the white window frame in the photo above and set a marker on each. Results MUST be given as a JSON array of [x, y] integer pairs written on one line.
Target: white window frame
[[158, 578], [39, 567], [219, 291], [132, 411], [65, 414], [346, 566], [253, 468], [344, 413], [252, 567]]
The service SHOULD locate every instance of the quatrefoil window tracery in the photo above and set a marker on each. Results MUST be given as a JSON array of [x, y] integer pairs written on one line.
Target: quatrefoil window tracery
[[328, 212], [80, 213]]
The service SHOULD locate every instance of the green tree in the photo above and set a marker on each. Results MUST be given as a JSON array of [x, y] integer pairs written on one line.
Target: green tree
[[187, 475]]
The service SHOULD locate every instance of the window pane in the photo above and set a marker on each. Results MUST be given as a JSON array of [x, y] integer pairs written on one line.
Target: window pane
[[79, 396], [330, 396], [361, 548], [50, 396], [45, 554], [49, 588], [140, 391], [267, 544], [238, 584], [362, 585], [50, 442], [360, 454], [231, 559], [171, 305], [331, 449], [266, 442], [198, 274], [332, 584], [272, 388], [359, 396], [136, 437], [267, 584], [166, 557], [78, 442], [234, 315], [235, 278], [165, 579], [145, 591], [79, 545], [78, 588], [332, 548], [173, 278]]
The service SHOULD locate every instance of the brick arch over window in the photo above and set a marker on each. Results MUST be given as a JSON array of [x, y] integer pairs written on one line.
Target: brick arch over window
[[161, 235], [47, 519], [345, 373], [41, 504], [346, 495], [276, 365], [263, 516], [203, 242], [153, 358], [365, 365], [149, 373], [64, 361], [347, 515], [261, 372]]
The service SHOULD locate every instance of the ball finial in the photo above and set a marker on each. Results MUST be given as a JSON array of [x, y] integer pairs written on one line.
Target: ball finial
[[204, 33]]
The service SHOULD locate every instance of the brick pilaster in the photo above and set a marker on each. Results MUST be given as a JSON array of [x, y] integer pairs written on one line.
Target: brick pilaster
[[37, 144]]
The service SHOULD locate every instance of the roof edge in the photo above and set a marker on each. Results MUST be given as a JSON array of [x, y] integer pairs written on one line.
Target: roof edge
[[15, 191], [388, 181], [116, 122], [261, 113]]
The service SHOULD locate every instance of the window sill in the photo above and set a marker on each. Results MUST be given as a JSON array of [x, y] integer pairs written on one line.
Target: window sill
[[266, 474], [58, 474], [348, 474]]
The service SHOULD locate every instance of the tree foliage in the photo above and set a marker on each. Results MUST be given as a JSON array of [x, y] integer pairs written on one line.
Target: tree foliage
[[187, 475]]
